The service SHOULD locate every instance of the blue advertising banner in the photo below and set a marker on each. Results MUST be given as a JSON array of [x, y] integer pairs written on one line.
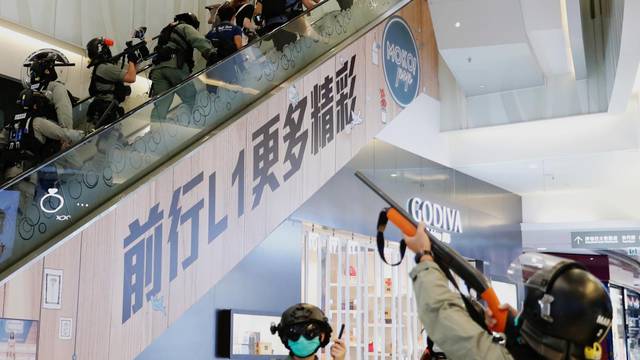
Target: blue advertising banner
[[401, 61]]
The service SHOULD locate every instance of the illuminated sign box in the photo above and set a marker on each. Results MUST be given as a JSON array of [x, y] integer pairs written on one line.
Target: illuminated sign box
[[247, 335]]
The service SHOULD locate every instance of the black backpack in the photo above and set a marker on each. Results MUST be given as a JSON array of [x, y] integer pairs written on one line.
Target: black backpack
[[184, 53], [276, 8]]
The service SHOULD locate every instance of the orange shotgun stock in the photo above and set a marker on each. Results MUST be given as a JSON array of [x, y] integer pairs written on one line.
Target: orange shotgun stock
[[445, 256]]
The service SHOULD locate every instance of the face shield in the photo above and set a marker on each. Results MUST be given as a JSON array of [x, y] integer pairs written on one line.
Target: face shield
[[60, 64], [537, 270]]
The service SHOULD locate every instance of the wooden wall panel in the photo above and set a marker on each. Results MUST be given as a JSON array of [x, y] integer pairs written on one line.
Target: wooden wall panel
[[229, 248], [255, 226], [98, 254], [24, 294], [2, 292], [129, 339], [324, 165], [280, 203], [67, 259], [428, 52], [375, 84], [93, 321]]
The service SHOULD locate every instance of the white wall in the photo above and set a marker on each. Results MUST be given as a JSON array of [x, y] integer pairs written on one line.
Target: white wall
[[78, 21], [18, 43], [417, 129]]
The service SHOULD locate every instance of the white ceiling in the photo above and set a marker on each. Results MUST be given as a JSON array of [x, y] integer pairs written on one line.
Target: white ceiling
[[571, 173], [479, 71], [500, 45]]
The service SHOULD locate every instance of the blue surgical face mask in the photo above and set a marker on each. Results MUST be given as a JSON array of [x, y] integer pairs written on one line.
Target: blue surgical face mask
[[303, 348]]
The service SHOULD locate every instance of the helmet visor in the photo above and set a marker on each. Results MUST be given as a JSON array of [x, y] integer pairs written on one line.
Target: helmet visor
[[528, 264], [50, 59]]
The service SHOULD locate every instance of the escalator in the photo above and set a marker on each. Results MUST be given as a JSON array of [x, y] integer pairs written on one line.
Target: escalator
[[65, 194]]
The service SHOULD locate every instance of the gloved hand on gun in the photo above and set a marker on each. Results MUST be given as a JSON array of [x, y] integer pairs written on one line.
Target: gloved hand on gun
[[132, 57]]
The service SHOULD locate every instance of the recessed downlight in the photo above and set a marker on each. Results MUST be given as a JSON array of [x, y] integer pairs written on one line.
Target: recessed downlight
[[457, 24]]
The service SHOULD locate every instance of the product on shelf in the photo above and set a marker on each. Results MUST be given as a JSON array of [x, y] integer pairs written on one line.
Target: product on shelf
[[264, 348], [388, 286], [352, 271]]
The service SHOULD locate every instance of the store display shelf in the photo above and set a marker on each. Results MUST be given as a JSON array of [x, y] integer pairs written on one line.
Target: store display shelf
[[376, 295], [349, 311]]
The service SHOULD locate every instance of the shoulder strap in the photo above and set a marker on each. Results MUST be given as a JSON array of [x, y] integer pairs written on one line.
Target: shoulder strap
[[242, 8], [380, 243], [95, 78], [180, 35]]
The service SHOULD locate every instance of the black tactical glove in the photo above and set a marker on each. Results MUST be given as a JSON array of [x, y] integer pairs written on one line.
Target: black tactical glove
[[132, 57], [258, 20]]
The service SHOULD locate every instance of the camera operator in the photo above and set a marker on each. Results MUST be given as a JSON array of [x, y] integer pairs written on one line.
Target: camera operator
[[566, 313], [174, 62], [108, 82]]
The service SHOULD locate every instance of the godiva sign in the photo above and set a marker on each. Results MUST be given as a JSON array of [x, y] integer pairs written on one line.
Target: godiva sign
[[435, 215]]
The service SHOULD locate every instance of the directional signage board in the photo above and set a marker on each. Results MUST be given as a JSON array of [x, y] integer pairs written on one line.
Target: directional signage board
[[605, 239]]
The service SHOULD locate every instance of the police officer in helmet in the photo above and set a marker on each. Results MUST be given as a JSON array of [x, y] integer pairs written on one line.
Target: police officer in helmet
[[567, 311], [108, 82], [303, 330], [43, 77], [174, 61], [34, 134]]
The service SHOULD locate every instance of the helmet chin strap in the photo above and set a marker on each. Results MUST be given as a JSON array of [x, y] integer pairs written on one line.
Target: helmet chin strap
[[550, 347]]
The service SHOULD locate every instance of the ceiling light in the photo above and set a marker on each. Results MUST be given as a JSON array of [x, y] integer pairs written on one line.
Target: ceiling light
[[591, 259], [457, 24], [394, 174], [542, 249], [482, 86]]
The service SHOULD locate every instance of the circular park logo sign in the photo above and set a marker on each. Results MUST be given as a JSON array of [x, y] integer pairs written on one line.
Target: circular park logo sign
[[401, 61]]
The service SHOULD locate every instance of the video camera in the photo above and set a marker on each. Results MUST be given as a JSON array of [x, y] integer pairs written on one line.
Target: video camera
[[140, 49]]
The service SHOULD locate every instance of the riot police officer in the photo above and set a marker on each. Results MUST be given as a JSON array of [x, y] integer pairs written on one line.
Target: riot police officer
[[108, 82], [567, 311], [304, 329], [34, 134], [174, 61], [43, 77]]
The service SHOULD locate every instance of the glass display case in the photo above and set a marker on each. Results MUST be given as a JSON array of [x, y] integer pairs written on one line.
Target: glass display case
[[618, 327], [632, 315]]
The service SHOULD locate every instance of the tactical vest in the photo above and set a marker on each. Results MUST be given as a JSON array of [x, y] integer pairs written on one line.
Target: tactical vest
[[118, 89], [22, 143]]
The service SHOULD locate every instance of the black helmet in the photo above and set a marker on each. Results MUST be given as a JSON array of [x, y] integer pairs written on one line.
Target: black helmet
[[302, 314], [42, 69], [98, 49], [566, 308], [31, 100], [188, 18]]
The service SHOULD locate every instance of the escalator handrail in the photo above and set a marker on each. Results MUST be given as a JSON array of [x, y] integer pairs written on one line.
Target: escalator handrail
[[17, 179]]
